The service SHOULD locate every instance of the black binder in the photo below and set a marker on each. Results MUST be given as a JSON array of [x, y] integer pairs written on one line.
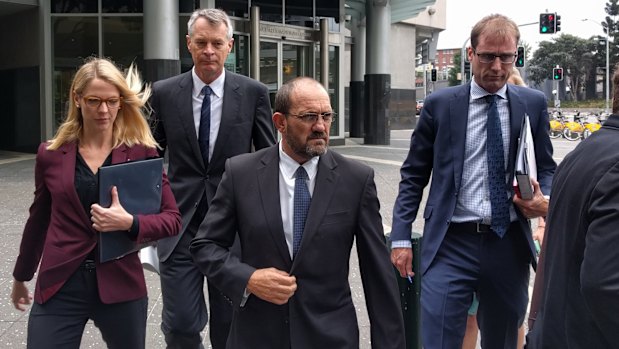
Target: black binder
[[139, 192]]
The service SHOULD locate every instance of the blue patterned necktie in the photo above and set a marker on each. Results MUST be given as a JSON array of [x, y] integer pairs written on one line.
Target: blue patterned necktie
[[205, 124], [302, 200], [496, 169]]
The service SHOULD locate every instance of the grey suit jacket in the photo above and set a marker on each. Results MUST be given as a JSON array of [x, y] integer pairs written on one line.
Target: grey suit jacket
[[321, 313], [245, 122]]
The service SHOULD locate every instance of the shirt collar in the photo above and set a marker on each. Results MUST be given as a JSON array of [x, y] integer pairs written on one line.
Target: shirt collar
[[289, 166], [478, 92], [217, 85]]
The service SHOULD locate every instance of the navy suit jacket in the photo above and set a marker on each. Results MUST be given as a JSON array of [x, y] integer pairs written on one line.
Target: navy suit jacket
[[437, 151], [59, 233], [245, 125]]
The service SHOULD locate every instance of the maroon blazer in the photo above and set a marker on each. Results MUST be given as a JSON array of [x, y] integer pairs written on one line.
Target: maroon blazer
[[59, 234]]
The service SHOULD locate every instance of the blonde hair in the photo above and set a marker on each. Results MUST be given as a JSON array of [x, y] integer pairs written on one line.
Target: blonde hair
[[515, 78], [130, 127]]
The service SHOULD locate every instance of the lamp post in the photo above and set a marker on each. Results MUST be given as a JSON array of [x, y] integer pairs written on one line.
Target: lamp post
[[607, 62]]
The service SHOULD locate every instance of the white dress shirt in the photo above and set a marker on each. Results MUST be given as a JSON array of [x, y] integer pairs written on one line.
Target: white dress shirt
[[287, 169], [217, 100]]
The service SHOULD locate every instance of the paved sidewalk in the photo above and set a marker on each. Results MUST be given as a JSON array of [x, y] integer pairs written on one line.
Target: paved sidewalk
[[17, 186]]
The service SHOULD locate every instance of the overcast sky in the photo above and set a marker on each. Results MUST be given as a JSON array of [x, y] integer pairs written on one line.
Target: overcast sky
[[463, 14]]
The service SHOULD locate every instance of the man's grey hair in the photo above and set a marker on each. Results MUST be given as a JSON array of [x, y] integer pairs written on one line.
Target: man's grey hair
[[213, 16]]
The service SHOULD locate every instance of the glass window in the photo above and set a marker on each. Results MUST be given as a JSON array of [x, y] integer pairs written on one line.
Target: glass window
[[295, 62], [270, 10], [121, 6], [329, 9], [268, 68], [123, 40], [234, 8], [300, 13], [185, 56], [74, 6], [188, 6], [73, 40], [239, 56], [334, 74]]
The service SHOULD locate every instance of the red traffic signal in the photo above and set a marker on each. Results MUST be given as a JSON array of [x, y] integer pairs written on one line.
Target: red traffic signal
[[547, 23]]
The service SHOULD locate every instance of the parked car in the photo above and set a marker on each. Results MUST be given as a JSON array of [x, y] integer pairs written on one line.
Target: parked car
[[419, 106]]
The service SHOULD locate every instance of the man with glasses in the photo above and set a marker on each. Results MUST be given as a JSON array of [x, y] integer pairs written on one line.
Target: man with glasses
[[476, 239], [298, 207]]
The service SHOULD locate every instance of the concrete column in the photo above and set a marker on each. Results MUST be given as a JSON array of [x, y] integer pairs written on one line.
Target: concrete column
[[377, 78], [324, 52], [356, 90], [254, 43], [161, 40]]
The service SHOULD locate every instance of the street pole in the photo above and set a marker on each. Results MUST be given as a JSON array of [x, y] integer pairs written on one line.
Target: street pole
[[607, 74]]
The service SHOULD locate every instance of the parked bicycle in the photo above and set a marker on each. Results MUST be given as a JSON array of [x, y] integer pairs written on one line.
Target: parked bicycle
[[557, 124], [574, 128], [591, 126]]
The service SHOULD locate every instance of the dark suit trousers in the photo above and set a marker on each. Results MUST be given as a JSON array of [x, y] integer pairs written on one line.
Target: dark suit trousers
[[497, 269], [59, 322], [184, 313]]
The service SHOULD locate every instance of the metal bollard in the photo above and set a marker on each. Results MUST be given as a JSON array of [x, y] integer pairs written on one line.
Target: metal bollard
[[410, 294]]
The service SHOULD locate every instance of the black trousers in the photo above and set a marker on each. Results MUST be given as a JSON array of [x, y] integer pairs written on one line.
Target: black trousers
[[184, 313], [60, 322]]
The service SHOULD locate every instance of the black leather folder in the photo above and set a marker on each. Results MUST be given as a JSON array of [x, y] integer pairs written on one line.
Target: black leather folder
[[139, 192]]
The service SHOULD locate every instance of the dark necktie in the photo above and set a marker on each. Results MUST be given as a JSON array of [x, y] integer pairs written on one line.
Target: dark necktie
[[496, 169], [302, 201], [205, 124]]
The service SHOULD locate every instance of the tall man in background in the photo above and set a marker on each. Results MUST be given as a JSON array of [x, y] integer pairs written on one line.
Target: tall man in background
[[202, 117], [475, 239]]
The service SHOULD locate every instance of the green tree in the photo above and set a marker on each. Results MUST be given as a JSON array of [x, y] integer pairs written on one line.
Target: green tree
[[452, 76], [571, 53]]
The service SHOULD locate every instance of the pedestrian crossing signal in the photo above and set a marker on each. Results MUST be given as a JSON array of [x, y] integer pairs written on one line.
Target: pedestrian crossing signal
[[557, 74], [520, 57]]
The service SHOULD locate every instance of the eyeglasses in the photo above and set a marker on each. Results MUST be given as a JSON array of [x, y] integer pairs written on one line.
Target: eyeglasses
[[311, 118], [490, 57], [95, 102]]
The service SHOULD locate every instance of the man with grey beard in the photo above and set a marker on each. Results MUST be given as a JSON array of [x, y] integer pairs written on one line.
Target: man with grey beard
[[298, 207]]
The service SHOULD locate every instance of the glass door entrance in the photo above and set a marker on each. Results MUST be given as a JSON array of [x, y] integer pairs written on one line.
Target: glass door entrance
[[281, 62]]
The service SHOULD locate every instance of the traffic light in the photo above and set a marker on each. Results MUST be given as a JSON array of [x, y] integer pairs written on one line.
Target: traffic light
[[557, 23], [433, 74], [557, 74], [520, 57], [547, 23]]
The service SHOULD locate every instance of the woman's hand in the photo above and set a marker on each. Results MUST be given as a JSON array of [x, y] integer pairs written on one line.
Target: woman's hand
[[20, 296], [114, 218]]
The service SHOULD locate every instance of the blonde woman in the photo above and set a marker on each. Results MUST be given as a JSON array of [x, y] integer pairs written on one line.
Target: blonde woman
[[104, 126]]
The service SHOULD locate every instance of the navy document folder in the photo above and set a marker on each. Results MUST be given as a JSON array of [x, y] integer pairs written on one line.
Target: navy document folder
[[139, 192]]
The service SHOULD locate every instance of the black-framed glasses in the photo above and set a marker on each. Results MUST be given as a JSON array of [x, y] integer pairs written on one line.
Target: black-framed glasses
[[95, 102], [311, 118], [506, 58]]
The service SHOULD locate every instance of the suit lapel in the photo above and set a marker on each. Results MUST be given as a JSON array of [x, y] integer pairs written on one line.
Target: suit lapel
[[184, 105], [458, 121], [230, 112], [268, 184], [326, 182], [517, 109]]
